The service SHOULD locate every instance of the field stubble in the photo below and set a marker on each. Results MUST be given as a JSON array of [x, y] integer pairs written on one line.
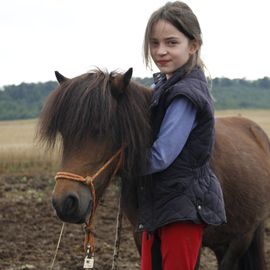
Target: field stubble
[[20, 150]]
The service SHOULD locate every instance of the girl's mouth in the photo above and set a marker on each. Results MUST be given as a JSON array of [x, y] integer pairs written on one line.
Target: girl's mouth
[[163, 62]]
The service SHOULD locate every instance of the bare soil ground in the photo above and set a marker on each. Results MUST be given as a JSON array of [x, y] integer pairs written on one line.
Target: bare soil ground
[[29, 231]]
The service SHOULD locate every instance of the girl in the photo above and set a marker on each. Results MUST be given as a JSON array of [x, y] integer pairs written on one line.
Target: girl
[[183, 194]]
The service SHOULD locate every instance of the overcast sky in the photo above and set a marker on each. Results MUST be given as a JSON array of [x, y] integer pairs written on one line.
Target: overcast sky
[[73, 36]]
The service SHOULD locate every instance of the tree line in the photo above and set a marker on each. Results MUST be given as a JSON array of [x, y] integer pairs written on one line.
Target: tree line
[[25, 100]]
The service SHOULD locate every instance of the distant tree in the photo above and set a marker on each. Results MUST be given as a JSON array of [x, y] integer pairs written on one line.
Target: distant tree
[[145, 81], [25, 100], [264, 83]]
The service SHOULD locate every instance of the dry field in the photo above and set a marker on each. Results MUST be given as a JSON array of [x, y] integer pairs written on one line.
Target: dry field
[[29, 229], [19, 150], [261, 117]]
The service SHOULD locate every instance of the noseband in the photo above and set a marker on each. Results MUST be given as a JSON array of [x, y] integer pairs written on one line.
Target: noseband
[[89, 244]]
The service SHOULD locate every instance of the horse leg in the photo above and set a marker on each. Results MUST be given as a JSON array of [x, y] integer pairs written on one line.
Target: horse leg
[[219, 253], [130, 208], [254, 256], [236, 249], [198, 260], [138, 240]]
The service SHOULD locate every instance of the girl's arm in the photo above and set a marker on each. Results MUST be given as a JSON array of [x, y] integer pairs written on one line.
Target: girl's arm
[[178, 122]]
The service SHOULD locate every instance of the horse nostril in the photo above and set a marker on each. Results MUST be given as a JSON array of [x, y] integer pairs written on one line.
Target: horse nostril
[[71, 204]]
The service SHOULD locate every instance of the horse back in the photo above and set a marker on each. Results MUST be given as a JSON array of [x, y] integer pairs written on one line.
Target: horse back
[[240, 133], [241, 161]]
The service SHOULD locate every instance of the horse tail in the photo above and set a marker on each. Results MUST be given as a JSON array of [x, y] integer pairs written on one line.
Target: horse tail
[[253, 258]]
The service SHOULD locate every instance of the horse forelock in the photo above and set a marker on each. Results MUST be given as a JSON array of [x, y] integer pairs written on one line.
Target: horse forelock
[[71, 109], [84, 107]]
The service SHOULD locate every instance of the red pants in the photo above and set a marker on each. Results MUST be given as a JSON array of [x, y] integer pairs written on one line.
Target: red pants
[[173, 247]]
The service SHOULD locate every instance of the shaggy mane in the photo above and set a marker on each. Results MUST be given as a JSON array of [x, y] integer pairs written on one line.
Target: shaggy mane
[[84, 107]]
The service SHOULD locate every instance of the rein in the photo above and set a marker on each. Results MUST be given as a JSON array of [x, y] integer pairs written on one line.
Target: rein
[[89, 242]]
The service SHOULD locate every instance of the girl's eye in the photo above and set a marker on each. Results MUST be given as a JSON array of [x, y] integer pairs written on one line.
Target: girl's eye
[[154, 43], [172, 42]]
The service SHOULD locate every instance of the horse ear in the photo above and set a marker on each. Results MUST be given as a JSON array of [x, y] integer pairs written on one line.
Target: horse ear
[[127, 77], [120, 82], [60, 78]]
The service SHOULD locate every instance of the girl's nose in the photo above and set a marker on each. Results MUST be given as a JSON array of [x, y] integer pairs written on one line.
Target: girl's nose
[[162, 51]]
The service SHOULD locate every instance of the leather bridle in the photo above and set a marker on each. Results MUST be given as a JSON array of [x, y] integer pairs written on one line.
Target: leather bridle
[[89, 243]]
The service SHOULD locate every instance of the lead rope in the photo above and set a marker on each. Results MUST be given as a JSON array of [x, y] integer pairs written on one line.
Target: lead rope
[[117, 235], [89, 239], [57, 247], [118, 231]]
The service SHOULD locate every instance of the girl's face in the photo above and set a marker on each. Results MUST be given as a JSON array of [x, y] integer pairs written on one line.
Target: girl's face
[[170, 49]]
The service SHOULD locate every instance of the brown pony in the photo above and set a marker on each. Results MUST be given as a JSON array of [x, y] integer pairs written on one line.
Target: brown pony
[[97, 113]]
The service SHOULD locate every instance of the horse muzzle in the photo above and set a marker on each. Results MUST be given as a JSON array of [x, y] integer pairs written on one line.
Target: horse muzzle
[[73, 206]]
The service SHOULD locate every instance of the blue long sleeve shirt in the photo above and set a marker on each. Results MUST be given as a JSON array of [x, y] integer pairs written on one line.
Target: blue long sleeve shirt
[[178, 122]]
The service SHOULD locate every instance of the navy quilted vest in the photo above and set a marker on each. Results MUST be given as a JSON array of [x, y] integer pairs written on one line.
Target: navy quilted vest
[[187, 190]]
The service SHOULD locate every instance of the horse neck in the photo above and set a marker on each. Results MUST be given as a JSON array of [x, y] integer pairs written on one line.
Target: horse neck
[[136, 131]]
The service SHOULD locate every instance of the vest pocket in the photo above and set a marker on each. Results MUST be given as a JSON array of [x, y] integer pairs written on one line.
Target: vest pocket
[[209, 200]]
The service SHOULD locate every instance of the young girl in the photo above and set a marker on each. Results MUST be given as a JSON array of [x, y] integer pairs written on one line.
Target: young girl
[[182, 195]]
